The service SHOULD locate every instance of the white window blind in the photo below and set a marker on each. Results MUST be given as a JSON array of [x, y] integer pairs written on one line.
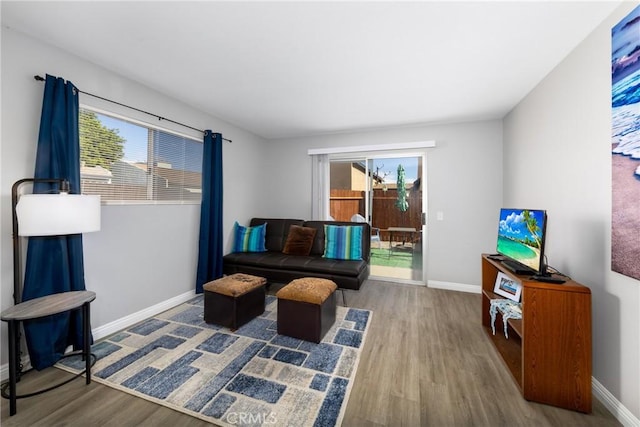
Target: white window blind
[[128, 162]]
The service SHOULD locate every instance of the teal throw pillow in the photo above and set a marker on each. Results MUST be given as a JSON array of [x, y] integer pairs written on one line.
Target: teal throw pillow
[[343, 242], [249, 239]]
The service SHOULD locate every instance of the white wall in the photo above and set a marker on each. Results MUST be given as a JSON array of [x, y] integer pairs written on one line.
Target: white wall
[[557, 157], [464, 181], [143, 255]]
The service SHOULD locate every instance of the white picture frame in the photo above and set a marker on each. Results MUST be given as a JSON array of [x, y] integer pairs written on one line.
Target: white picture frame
[[507, 287]]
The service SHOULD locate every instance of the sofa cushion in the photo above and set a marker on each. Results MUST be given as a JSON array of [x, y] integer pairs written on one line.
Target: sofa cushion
[[277, 231], [299, 240], [309, 264], [334, 266], [343, 242], [249, 239]]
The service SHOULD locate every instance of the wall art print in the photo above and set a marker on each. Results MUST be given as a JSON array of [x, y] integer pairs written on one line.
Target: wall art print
[[625, 144]]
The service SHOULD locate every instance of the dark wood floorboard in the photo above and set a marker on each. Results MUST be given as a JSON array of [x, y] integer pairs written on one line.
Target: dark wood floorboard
[[426, 362]]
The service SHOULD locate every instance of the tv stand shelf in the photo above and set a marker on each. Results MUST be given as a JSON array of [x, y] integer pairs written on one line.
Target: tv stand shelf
[[548, 352]]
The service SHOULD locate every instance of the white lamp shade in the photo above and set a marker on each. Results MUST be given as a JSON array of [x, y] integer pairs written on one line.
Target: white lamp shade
[[57, 214]]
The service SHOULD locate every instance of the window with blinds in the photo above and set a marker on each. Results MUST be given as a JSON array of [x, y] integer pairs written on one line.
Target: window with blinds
[[127, 162]]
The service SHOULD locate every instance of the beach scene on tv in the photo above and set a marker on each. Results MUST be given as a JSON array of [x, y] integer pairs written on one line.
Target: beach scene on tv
[[520, 235]]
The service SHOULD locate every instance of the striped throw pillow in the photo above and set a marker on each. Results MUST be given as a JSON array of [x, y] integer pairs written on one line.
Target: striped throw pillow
[[343, 242], [249, 239]]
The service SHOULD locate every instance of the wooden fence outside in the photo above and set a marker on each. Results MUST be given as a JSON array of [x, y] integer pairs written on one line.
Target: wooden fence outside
[[346, 203]]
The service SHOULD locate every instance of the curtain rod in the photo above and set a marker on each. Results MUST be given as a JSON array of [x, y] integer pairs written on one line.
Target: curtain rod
[[41, 79]]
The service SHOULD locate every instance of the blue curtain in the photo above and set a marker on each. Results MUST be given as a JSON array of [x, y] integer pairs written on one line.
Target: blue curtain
[[210, 243], [54, 264]]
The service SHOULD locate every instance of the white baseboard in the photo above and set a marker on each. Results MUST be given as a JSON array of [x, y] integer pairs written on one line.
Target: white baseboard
[[619, 411], [451, 286], [117, 325], [124, 322]]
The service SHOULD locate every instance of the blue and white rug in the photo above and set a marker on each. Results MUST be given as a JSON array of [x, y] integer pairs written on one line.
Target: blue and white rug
[[252, 376]]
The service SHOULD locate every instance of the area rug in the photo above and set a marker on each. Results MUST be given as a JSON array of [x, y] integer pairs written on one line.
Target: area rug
[[252, 376]]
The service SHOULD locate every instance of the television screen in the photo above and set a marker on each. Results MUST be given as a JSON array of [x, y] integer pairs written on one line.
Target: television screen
[[521, 234]]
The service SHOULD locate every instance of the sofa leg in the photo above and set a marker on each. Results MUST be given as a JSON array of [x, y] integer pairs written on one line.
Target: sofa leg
[[344, 300]]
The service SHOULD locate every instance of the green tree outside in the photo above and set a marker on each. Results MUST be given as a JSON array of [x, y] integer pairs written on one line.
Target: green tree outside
[[99, 146]]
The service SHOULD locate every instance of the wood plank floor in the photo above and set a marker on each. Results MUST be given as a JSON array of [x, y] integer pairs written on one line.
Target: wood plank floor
[[426, 362]]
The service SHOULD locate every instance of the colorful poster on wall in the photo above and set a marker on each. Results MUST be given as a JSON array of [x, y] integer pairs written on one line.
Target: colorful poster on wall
[[625, 144]]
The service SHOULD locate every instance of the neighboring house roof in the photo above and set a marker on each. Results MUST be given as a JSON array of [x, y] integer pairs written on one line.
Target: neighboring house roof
[[361, 167], [128, 173], [95, 173], [176, 176], [132, 178]]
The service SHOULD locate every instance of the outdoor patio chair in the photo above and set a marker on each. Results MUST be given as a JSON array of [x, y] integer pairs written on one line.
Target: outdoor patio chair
[[375, 231]]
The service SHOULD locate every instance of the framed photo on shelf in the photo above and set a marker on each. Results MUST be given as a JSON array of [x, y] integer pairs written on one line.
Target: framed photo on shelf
[[507, 287]]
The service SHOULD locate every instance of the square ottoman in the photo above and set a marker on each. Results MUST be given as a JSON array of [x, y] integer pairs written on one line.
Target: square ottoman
[[234, 300], [307, 308]]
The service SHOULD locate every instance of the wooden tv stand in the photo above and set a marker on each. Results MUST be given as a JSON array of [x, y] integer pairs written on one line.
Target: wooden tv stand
[[549, 350]]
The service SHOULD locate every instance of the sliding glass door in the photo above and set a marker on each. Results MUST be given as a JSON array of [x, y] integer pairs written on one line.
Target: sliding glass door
[[387, 191]]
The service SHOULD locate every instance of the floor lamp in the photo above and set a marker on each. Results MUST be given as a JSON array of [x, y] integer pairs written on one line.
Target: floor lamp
[[47, 215]]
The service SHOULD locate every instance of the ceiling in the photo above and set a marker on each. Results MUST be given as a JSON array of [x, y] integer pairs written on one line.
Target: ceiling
[[283, 69]]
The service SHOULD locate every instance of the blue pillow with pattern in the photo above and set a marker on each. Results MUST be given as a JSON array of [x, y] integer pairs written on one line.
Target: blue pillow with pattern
[[249, 239], [343, 242]]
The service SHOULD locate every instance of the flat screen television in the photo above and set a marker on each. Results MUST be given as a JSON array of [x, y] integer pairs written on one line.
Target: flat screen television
[[521, 236]]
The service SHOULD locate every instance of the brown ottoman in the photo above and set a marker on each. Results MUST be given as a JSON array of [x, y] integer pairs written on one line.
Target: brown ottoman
[[307, 308], [234, 300]]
